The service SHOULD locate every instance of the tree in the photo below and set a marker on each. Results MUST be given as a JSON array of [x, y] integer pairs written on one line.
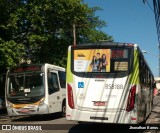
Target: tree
[[41, 31], [11, 51]]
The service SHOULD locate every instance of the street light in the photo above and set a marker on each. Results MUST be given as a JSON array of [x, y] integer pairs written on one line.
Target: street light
[[143, 51]]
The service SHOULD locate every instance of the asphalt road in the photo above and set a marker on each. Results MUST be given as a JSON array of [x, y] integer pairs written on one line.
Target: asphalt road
[[53, 123]]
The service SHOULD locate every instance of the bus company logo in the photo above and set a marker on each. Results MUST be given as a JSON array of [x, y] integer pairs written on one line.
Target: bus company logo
[[81, 55], [80, 84]]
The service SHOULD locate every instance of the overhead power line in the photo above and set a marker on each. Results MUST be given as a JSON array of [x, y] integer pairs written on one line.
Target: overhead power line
[[156, 4], [146, 2]]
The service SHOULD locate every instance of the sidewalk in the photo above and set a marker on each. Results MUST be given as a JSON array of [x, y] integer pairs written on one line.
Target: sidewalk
[[154, 117]]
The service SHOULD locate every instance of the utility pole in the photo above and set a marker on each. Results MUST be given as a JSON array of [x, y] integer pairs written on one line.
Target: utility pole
[[74, 34], [159, 59]]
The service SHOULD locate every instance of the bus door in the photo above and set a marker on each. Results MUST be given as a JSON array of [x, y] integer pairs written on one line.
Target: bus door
[[54, 98]]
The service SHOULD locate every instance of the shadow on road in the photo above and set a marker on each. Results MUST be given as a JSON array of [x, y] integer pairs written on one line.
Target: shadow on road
[[100, 128], [46, 117]]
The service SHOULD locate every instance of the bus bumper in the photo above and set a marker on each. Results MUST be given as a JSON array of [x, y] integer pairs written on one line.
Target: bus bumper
[[43, 109], [118, 117]]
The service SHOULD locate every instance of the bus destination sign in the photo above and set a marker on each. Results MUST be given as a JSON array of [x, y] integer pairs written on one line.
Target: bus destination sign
[[119, 53], [26, 69]]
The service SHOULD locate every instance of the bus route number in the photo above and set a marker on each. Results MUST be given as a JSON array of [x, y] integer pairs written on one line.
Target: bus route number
[[117, 53], [113, 86]]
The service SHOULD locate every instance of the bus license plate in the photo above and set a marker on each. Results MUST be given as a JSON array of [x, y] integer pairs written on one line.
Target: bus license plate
[[99, 103], [24, 110]]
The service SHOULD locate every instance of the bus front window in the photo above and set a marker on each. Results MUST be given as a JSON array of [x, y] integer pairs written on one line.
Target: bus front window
[[29, 85]]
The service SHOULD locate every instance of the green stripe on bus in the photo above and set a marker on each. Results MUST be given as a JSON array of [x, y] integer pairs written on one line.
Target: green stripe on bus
[[69, 73], [134, 76]]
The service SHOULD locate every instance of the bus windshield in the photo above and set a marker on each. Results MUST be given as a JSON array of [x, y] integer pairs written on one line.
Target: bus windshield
[[28, 85], [105, 60]]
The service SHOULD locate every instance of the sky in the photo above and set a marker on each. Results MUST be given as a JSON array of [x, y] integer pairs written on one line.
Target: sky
[[131, 21]]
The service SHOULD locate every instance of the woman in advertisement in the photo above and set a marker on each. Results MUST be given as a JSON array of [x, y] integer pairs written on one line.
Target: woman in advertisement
[[94, 64], [103, 63]]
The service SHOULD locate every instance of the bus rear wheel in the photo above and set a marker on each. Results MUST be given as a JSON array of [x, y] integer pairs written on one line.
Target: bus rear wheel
[[63, 113]]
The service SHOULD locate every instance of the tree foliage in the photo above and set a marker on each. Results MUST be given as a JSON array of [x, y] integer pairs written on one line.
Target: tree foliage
[[42, 30]]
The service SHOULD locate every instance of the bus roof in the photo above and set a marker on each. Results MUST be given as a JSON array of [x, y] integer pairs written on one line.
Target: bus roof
[[113, 44], [119, 44], [55, 67]]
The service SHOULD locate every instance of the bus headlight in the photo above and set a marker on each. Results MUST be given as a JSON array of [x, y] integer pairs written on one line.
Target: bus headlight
[[41, 102], [10, 104]]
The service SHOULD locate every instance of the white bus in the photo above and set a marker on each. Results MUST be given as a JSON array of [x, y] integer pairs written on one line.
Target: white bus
[[108, 83], [35, 89]]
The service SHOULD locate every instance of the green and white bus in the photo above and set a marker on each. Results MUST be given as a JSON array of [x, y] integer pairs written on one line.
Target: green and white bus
[[35, 89], [108, 83]]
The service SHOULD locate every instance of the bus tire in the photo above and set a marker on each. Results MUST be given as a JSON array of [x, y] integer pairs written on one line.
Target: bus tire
[[63, 113]]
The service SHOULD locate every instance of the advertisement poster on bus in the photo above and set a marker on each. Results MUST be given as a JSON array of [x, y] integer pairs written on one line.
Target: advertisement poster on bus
[[92, 60]]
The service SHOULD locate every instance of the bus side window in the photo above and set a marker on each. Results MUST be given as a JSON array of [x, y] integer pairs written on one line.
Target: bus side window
[[52, 83], [62, 79], [142, 77]]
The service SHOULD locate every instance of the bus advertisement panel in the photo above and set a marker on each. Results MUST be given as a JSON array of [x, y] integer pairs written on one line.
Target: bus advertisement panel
[[92, 60]]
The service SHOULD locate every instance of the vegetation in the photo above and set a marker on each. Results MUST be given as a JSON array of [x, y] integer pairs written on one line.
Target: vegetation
[[42, 30]]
